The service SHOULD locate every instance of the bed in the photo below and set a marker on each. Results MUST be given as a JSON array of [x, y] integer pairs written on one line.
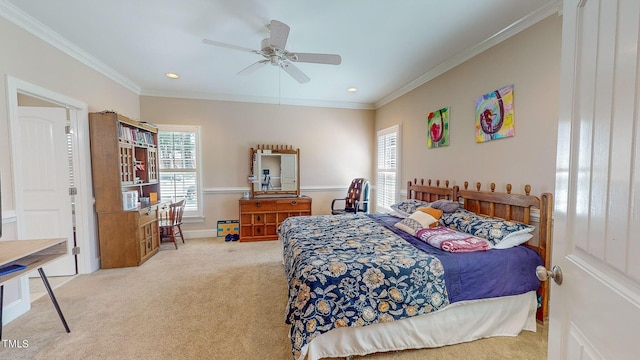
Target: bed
[[358, 284]]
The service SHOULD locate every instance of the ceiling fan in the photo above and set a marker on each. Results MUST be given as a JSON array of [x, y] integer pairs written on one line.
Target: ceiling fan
[[274, 52]]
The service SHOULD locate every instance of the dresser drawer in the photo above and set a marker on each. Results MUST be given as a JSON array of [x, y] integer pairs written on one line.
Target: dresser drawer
[[260, 218], [147, 216], [294, 204], [258, 205]]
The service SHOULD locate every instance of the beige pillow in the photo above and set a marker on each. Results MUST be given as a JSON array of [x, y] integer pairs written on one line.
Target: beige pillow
[[436, 213], [418, 220]]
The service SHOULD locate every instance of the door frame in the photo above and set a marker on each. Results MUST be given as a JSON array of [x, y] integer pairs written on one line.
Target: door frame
[[86, 238]]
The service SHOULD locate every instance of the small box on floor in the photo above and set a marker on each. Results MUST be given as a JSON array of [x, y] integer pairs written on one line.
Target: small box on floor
[[226, 227]]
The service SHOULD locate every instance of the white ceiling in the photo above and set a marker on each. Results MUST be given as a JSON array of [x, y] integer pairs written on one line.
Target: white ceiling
[[387, 47]]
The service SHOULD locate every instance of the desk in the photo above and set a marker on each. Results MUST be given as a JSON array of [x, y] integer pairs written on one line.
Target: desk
[[34, 254]]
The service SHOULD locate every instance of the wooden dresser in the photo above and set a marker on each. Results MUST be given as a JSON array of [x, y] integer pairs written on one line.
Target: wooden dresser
[[260, 217]]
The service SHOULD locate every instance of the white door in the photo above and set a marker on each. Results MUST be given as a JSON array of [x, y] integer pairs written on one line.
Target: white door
[[288, 172], [42, 162], [595, 313]]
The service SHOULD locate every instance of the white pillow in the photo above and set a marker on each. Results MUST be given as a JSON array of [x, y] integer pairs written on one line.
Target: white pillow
[[416, 221], [514, 239]]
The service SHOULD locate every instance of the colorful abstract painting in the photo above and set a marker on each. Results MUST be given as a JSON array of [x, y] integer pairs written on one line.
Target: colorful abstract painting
[[438, 128], [494, 115]]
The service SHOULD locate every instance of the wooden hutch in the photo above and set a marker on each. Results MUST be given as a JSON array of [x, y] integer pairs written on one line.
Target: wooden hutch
[[124, 161]]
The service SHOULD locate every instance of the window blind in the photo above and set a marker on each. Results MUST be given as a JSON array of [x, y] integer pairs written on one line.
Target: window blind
[[387, 168], [177, 155]]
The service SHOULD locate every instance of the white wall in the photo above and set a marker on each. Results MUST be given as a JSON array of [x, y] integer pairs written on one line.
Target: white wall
[[29, 59], [335, 147], [335, 144], [530, 61]]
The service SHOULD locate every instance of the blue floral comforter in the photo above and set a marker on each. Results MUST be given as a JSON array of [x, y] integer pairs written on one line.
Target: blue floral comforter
[[356, 270], [351, 271]]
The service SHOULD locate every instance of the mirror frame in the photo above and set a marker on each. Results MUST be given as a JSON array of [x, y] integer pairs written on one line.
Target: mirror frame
[[255, 172]]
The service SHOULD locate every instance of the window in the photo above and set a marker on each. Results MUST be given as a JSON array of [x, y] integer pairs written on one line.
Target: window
[[387, 168], [178, 154]]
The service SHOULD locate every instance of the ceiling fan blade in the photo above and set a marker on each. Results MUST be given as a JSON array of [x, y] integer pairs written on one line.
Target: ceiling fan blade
[[330, 59], [294, 72], [253, 67], [229, 46], [278, 34]]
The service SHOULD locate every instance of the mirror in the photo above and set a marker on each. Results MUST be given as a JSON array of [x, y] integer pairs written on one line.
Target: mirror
[[274, 171]]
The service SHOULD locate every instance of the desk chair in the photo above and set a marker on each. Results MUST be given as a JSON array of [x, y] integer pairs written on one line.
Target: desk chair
[[170, 221], [357, 199]]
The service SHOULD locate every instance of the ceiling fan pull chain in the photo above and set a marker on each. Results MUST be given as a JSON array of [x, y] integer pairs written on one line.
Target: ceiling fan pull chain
[[279, 85]]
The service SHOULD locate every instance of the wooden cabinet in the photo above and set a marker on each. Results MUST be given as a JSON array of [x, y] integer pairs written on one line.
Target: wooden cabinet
[[124, 158], [128, 238], [260, 217]]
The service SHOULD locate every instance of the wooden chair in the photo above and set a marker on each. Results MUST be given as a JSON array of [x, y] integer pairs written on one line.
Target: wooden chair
[[170, 221]]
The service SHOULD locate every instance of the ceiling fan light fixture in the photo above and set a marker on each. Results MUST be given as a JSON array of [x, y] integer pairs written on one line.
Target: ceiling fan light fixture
[[273, 50], [171, 75]]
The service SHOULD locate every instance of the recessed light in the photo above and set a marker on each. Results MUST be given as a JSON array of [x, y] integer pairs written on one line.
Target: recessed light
[[352, 89], [172, 75]]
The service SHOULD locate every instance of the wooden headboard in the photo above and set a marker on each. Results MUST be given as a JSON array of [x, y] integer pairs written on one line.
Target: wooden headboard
[[428, 192], [504, 205]]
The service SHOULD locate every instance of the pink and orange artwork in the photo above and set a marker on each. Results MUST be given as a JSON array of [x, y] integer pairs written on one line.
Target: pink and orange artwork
[[494, 115], [438, 128]]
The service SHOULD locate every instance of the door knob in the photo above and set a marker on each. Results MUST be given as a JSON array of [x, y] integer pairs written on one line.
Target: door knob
[[543, 274]]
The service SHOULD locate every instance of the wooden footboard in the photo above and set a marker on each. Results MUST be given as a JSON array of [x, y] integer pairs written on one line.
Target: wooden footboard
[[504, 205]]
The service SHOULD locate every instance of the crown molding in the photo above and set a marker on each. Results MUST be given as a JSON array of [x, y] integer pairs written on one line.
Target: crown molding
[[511, 30], [38, 29], [259, 99], [33, 26]]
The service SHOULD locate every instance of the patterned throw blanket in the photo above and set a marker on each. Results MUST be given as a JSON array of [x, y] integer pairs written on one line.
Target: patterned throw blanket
[[350, 271], [451, 240]]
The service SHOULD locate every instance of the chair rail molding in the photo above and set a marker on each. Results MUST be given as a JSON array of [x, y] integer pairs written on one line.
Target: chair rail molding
[[241, 190]]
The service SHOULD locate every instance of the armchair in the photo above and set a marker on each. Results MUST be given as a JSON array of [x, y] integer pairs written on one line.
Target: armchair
[[357, 199]]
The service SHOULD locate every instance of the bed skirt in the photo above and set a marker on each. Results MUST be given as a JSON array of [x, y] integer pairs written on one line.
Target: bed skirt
[[457, 323]]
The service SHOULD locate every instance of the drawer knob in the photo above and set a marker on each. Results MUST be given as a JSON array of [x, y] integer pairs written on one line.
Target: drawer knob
[[258, 217], [294, 202], [258, 203], [258, 230]]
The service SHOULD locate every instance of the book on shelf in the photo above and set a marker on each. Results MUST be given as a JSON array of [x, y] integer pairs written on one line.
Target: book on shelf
[[133, 135]]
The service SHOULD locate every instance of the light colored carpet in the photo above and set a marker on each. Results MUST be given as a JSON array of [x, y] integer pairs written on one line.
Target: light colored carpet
[[209, 299]]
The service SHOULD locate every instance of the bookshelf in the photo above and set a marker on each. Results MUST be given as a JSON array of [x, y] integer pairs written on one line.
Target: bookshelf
[[124, 159]]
